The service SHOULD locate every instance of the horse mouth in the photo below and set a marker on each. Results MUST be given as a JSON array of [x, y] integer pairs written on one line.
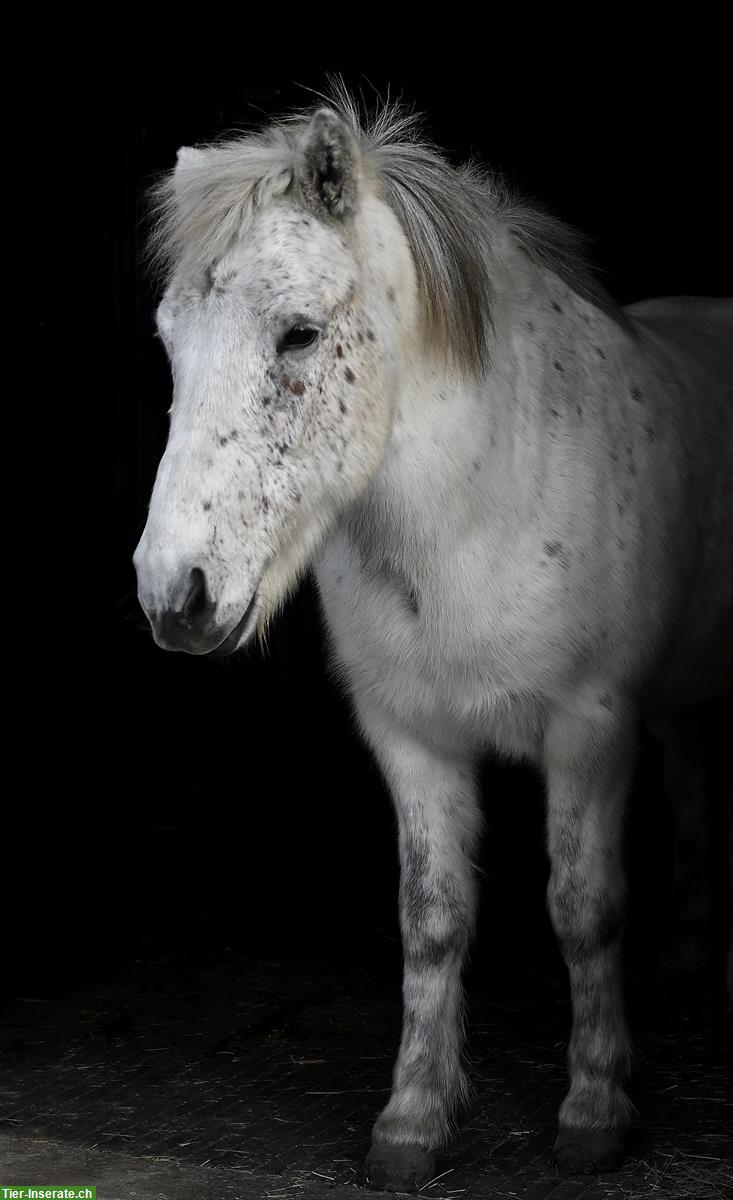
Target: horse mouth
[[231, 641]]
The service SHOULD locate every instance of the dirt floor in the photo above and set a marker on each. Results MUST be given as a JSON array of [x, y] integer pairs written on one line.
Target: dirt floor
[[209, 1070]]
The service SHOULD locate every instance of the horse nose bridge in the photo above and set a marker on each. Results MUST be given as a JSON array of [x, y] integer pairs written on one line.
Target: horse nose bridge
[[178, 523], [192, 495]]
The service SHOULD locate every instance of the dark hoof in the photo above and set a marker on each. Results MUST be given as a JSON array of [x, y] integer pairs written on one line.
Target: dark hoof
[[399, 1168], [585, 1151]]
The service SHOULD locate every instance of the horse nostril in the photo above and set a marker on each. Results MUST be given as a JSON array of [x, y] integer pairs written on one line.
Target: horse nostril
[[187, 622], [197, 604]]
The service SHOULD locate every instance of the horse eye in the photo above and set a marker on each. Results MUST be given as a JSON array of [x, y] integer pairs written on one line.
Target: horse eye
[[297, 338]]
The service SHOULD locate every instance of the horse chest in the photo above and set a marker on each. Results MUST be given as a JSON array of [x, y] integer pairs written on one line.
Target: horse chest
[[440, 658]]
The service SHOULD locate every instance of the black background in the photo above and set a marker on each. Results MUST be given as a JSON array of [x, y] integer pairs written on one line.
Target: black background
[[159, 791]]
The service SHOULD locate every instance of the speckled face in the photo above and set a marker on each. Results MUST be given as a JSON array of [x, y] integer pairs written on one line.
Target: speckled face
[[284, 374]]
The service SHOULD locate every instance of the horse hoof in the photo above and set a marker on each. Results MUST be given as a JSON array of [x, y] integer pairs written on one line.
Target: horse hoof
[[399, 1168], [585, 1151]]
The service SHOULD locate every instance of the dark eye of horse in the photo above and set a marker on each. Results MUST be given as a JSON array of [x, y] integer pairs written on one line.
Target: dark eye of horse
[[297, 338]]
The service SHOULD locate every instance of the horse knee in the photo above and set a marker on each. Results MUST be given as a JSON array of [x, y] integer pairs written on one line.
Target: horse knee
[[425, 949], [437, 909], [435, 935], [585, 922]]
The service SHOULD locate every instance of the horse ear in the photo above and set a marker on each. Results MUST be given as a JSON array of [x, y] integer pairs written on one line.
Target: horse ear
[[188, 156], [328, 163]]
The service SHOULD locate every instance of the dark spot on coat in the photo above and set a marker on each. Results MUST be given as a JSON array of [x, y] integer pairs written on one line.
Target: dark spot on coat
[[636, 393], [342, 406], [556, 306], [630, 453], [554, 412], [296, 386], [391, 295], [600, 353], [558, 366], [339, 351], [650, 432], [579, 409], [360, 337], [223, 440], [605, 700], [350, 376], [339, 466], [265, 504], [557, 551], [371, 335], [206, 506]]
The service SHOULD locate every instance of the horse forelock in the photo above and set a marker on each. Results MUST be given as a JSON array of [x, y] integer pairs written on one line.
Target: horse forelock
[[453, 218]]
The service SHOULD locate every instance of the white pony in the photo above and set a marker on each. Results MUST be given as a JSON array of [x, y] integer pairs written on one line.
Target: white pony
[[518, 500]]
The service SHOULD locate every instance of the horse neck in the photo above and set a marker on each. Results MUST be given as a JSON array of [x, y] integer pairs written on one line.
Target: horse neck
[[466, 449]]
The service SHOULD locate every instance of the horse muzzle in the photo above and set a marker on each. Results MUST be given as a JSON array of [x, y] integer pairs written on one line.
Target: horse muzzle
[[188, 620]]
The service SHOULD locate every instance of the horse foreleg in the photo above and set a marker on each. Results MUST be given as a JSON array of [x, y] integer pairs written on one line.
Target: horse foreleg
[[588, 762], [438, 819]]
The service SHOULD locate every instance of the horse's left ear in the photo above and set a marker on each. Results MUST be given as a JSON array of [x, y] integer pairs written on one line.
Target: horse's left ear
[[328, 163], [189, 156]]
